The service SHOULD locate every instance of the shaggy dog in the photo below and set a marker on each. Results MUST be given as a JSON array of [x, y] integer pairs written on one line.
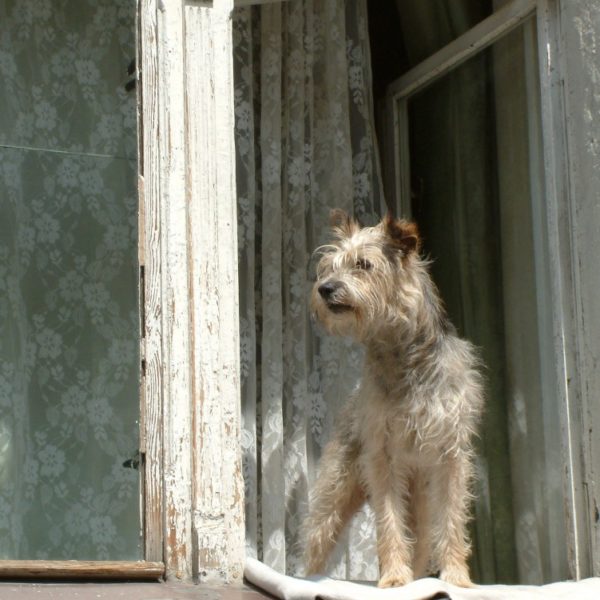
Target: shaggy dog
[[403, 442]]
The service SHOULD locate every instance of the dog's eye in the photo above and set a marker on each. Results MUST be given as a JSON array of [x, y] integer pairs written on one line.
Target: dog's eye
[[363, 264]]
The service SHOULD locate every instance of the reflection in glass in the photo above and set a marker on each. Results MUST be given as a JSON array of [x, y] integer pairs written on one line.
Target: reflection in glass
[[69, 405]]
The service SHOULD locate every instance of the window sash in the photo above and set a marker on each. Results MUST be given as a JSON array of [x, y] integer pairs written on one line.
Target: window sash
[[473, 41], [555, 232]]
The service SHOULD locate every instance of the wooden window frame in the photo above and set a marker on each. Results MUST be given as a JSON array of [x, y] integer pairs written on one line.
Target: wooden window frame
[[193, 486], [555, 239]]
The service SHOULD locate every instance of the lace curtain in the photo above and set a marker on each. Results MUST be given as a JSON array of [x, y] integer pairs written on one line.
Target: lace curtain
[[68, 301], [305, 144]]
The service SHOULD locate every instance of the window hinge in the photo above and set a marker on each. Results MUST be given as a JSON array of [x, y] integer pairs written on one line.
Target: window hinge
[[130, 85]]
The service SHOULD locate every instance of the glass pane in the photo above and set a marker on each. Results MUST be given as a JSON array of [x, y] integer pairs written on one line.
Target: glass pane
[[477, 195], [69, 404]]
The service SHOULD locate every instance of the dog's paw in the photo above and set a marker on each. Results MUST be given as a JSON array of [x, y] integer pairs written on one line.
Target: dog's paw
[[395, 579], [457, 576]]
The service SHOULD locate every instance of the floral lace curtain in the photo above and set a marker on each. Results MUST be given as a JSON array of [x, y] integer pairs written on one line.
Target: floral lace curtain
[[68, 300], [305, 144]]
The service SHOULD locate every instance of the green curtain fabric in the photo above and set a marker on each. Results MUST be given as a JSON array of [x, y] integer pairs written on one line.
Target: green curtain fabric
[[455, 204], [68, 296]]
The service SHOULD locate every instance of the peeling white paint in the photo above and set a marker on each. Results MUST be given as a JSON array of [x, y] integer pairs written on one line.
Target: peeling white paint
[[218, 486], [191, 403]]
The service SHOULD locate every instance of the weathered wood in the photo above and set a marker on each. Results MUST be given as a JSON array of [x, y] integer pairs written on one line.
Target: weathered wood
[[557, 229], [78, 569], [218, 505], [177, 458], [191, 406], [462, 48], [573, 69], [152, 335]]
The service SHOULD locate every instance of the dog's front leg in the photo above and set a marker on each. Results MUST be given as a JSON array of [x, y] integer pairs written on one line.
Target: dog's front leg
[[337, 495], [451, 498], [388, 485]]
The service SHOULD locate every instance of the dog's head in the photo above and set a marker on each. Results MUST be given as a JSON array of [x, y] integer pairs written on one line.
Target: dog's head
[[364, 276]]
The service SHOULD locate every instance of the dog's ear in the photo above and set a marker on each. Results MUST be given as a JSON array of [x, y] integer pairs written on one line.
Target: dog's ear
[[342, 223], [402, 234]]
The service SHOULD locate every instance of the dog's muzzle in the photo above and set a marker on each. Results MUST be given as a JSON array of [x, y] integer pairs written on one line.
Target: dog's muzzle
[[329, 291]]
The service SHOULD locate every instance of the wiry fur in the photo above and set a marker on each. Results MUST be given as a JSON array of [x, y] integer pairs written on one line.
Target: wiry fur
[[404, 439]]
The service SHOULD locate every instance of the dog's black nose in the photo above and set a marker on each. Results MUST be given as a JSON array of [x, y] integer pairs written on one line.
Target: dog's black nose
[[327, 288]]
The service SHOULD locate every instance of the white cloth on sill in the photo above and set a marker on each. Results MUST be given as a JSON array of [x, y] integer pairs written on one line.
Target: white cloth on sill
[[324, 588]]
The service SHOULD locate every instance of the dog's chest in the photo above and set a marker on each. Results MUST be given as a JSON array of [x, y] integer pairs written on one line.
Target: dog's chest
[[407, 426]]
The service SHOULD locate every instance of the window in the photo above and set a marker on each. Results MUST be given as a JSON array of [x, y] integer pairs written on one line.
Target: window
[[468, 156], [543, 281], [69, 319]]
